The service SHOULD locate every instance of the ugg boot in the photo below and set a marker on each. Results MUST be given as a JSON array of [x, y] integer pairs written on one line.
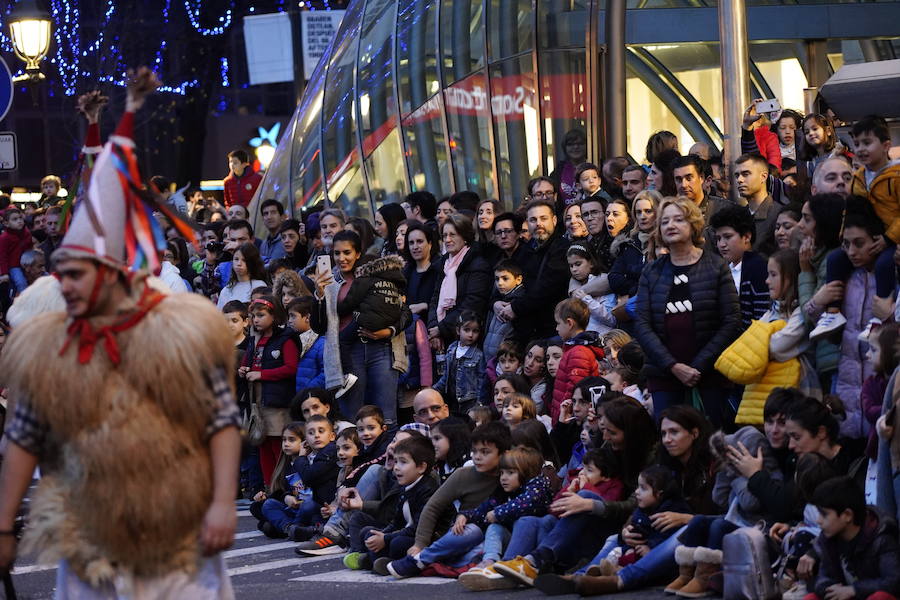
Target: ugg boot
[[709, 562], [586, 585], [684, 558]]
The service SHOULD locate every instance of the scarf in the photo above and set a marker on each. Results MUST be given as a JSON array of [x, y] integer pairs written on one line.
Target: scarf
[[334, 374], [447, 297]]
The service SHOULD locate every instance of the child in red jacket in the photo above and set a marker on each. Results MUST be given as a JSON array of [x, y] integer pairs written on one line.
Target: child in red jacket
[[581, 351], [15, 239]]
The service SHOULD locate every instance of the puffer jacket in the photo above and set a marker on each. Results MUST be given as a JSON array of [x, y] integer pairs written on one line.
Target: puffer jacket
[[311, 370], [883, 195], [579, 360], [473, 289], [870, 566], [854, 368], [626, 269], [376, 294], [827, 354], [716, 312], [751, 362]]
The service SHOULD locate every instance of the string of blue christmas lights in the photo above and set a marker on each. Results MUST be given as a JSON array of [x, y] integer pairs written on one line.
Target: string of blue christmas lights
[[192, 7]]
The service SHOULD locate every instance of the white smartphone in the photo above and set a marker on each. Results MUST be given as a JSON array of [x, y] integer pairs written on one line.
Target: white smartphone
[[323, 264], [768, 106]]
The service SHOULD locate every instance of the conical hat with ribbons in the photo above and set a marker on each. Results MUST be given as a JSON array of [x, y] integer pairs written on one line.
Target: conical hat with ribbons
[[97, 230]]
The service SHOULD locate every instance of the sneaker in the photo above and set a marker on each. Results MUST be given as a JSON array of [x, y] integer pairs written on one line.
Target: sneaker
[[828, 324], [298, 533], [358, 561], [486, 578], [380, 566], [518, 569], [872, 326], [404, 567], [321, 545], [349, 382]]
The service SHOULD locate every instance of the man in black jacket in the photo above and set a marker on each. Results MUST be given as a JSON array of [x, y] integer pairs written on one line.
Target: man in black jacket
[[546, 276]]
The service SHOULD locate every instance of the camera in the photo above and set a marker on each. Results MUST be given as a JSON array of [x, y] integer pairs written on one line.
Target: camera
[[215, 247]]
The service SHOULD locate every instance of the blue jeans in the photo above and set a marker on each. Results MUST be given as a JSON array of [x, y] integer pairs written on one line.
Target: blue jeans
[[573, 538], [659, 562], [715, 403], [527, 534], [372, 363], [611, 543], [707, 531], [452, 549], [339, 522], [279, 515], [251, 473], [495, 538]]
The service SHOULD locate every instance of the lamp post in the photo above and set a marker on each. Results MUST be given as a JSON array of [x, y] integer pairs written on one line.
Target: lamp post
[[30, 28]]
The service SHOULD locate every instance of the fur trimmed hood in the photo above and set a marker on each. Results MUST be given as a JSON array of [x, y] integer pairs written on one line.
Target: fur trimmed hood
[[386, 267]]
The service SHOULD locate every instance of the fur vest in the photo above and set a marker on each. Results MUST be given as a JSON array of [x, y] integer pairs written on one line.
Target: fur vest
[[126, 470]]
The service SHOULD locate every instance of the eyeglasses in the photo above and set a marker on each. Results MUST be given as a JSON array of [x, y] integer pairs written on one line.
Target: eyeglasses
[[539, 195], [424, 412], [590, 214], [504, 232]]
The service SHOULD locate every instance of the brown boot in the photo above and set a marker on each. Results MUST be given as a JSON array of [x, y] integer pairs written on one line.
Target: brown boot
[[684, 558], [709, 562], [596, 586]]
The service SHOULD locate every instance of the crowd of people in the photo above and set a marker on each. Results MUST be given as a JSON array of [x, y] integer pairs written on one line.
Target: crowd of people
[[606, 388]]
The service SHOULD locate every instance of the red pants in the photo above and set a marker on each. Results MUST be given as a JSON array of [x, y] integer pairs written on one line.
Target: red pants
[[875, 596], [269, 453]]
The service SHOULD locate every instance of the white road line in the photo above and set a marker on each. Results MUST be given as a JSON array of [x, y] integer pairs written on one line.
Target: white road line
[[259, 549], [277, 564], [33, 569], [243, 513], [247, 535], [348, 576]]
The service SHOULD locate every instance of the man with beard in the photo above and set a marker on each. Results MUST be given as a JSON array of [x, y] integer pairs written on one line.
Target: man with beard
[[546, 275]]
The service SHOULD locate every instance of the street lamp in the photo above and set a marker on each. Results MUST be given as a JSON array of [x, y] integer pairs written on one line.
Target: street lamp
[[30, 28]]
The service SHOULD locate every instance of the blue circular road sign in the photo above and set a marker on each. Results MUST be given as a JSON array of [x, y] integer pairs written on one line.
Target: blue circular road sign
[[6, 89]]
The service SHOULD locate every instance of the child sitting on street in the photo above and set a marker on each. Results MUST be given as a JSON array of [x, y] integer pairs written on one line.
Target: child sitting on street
[[858, 551], [413, 461]]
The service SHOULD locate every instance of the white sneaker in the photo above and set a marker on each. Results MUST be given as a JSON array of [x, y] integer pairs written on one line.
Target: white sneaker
[[872, 326], [828, 323], [349, 382]]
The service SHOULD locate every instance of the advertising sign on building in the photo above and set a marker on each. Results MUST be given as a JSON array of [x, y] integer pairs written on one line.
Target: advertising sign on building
[[318, 28]]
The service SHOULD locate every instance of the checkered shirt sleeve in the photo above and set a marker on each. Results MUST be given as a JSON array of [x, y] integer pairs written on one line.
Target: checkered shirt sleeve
[[225, 411], [25, 429]]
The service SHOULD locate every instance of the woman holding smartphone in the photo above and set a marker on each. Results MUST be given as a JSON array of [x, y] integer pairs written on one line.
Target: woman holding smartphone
[[370, 312]]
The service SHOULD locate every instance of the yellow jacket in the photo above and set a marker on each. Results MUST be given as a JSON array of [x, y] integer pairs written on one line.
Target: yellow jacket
[[746, 362], [884, 195]]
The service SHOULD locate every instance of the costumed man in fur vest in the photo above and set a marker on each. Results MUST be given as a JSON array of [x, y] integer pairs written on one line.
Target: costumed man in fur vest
[[126, 401]]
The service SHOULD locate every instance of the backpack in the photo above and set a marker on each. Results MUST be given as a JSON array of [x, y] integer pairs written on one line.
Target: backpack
[[746, 567]]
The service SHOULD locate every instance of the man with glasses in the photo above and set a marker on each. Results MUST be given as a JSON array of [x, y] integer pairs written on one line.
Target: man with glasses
[[429, 407], [543, 188], [506, 235]]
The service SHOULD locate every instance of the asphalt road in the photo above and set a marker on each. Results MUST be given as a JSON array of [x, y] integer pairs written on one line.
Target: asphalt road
[[261, 568]]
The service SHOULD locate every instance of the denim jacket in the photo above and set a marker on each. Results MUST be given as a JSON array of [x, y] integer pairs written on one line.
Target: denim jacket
[[461, 381]]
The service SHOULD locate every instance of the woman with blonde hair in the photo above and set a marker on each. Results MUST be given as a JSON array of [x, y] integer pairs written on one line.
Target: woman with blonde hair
[[687, 313]]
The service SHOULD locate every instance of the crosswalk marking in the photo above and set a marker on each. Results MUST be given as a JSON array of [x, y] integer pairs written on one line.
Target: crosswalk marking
[[277, 564], [258, 549], [348, 576]]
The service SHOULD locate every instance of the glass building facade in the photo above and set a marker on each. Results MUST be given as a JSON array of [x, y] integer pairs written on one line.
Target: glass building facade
[[449, 95]]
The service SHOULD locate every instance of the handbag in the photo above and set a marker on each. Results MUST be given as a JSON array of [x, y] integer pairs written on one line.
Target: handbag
[[252, 426]]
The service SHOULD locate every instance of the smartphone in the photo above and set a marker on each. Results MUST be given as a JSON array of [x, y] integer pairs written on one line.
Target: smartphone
[[767, 106], [323, 264]]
